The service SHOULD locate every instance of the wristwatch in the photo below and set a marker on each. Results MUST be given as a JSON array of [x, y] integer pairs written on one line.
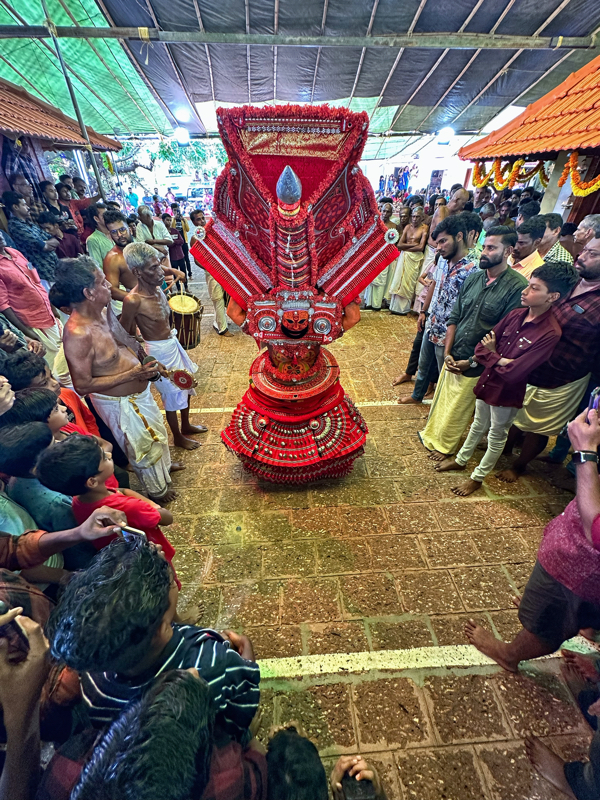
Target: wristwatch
[[473, 362], [581, 456]]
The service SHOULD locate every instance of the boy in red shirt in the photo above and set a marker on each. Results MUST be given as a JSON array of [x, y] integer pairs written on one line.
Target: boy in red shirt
[[520, 342], [78, 466]]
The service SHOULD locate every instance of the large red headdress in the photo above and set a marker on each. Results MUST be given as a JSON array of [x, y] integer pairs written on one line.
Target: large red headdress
[[296, 233]]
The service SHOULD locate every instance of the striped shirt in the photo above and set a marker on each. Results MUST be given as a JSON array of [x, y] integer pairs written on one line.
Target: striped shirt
[[232, 680]]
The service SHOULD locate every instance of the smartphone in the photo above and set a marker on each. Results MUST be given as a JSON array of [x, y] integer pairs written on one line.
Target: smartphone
[[18, 643], [594, 399], [358, 790], [130, 534]]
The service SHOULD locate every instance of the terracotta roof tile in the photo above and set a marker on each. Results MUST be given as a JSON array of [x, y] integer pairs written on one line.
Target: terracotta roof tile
[[23, 114], [567, 118]]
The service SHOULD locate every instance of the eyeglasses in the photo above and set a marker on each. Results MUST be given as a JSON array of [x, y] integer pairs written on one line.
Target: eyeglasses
[[120, 230]]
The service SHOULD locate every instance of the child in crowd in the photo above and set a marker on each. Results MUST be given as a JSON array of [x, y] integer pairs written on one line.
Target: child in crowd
[[29, 370], [80, 467], [519, 343], [20, 446], [114, 625], [42, 405]]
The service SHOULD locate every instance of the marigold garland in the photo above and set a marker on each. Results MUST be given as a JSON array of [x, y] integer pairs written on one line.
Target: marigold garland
[[580, 188], [499, 179]]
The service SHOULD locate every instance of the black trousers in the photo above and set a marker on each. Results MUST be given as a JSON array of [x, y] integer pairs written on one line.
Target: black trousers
[[413, 359], [186, 257]]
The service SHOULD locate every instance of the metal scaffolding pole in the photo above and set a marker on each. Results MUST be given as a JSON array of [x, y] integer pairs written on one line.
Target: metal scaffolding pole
[[439, 41], [84, 133]]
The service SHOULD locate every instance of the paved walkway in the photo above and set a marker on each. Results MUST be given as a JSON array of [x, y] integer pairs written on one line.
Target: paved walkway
[[385, 565]]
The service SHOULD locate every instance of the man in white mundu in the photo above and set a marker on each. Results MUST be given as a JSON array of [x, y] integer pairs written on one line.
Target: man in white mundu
[[146, 308], [109, 371]]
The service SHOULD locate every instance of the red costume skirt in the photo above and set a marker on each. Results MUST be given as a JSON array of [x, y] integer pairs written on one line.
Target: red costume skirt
[[314, 437]]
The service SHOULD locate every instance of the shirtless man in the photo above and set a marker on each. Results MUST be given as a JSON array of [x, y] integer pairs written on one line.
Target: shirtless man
[[215, 290], [146, 307], [113, 375], [401, 290], [115, 267]]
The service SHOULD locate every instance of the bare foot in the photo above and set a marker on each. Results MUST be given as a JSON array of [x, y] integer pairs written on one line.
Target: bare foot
[[448, 464], [575, 681], [227, 334], [185, 444], [429, 395], [167, 497], [435, 456], [190, 430], [404, 378], [584, 664], [190, 616], [508, 475], [409, 401], [177, 466], [487, 644], [515, 600], [467, 488], [550, 766]]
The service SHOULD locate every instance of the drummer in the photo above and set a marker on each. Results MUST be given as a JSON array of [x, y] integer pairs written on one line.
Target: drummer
[[115, 267], [146, 308]]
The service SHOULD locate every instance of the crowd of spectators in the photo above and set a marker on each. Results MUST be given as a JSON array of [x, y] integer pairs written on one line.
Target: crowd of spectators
[[94, 656]]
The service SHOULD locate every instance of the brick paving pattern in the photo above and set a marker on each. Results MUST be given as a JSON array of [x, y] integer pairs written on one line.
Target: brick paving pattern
[[387, 558]]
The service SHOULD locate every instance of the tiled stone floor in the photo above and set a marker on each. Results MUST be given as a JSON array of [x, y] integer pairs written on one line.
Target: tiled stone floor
[[386, 559]]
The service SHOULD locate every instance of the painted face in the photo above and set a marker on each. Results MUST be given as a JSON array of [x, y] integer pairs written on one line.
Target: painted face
[[295, 323]]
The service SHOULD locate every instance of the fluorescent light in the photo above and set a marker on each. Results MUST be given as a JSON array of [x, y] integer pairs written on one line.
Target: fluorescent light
[[182, 114], [182, 136]]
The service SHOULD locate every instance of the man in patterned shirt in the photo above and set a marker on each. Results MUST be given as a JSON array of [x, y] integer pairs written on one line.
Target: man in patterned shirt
[[20, 184], [37, 246], [550, 248], [452, 269]]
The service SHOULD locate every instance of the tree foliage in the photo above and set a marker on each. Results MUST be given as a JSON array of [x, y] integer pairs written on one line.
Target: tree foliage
[[191, 157]]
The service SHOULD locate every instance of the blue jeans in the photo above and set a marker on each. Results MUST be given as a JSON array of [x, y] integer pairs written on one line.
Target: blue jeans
[[431, 361]]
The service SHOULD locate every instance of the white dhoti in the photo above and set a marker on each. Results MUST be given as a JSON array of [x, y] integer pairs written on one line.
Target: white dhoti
[[51, 338], [401, 292], [217, 296], [171, 354], [137, 424], [377, 289]]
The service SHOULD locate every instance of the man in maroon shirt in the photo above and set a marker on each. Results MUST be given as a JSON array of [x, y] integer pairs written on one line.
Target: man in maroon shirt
[[520, 342], [556, 387], [70, 246]]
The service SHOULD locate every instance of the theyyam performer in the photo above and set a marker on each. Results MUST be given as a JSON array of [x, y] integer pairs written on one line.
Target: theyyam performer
[[296, 235], [146, 308]]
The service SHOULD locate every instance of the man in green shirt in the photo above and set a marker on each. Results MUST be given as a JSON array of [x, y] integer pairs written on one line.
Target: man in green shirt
[[487, 295], [99, 242]]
